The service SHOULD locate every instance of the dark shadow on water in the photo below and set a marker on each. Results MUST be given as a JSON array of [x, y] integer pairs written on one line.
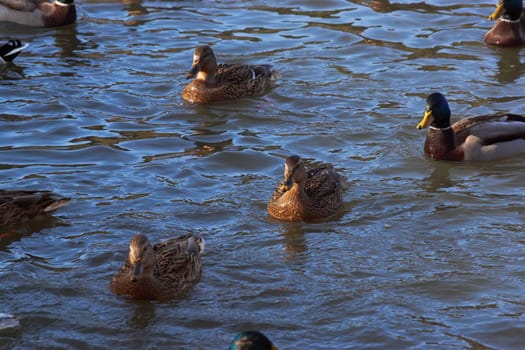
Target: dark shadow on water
[[386, 6], [294, 242], [143, 315], [439, 179], [11, 234], [510, 68], [12, 71]]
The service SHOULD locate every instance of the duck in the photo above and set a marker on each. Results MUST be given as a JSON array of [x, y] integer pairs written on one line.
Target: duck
[[251, 340], [19, 206], [38, 13], [480, 138], [10, 50], [304, 194], [223, 82], [509, 30], [160, 271]]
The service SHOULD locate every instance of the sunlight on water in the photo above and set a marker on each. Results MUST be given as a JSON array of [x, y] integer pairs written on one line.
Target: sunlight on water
[[426, 254]]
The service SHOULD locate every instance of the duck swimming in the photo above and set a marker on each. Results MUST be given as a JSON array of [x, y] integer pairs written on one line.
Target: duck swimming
[[160, 271], [10, 50], [509, 30], [38, 13], [223, 82], [306, 194], [486, 137], [18, 206]]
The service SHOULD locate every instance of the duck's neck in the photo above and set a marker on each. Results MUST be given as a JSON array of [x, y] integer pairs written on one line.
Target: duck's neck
[[209, 78], [299, 192], [439, 142]]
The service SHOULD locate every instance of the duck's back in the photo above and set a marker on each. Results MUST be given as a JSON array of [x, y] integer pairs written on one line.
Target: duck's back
[[179, 260], [236, 81], [324, 187], [21, 205]]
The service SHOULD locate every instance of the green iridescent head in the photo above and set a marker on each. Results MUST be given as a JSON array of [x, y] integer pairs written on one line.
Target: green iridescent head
[[507, 9], [251, 340]]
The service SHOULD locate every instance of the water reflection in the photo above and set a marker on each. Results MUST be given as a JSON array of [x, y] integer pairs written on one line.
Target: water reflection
[[13, 70], [439, 178], [66, 39], [510, 68], [134, 8], [385, 6], [294, 241], [143, 315], [11, 234]]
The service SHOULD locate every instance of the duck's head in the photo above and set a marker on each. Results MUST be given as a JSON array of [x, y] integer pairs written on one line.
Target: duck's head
[[437, 112], [203, 61], [141, 257], [251, 340], [294, 171], [508, 9]]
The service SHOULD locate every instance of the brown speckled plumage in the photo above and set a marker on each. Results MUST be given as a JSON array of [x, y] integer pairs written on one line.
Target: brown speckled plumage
[[306, 195], [17, 206], [38, 13], [160, 271], [223, 82]]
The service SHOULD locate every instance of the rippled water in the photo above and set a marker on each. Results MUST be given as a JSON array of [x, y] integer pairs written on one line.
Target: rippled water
[[427, 254]]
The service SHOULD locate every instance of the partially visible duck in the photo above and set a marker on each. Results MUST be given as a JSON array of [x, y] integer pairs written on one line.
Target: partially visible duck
[[223, 82], [18, 206], [509, 30], [10, 50], [38, 13], [160, 271], [486, 137], [306, 194], [251, 340]]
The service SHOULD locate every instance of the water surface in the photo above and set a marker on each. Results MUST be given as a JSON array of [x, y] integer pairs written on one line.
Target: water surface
[[426, 255]]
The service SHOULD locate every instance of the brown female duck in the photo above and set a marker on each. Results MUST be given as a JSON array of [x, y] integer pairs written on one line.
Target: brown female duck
[[509, 30], [38, 13], [223, 82], [18, 206], [486, 137], [306, 195], [159, 271]]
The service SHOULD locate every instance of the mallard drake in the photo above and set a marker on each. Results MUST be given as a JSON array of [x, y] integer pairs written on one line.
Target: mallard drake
[[509, 30], [306, 195], [18, 206], [251, 340], [10, 50], [224, 82], [485, 137], [160, 271], [38, 13]]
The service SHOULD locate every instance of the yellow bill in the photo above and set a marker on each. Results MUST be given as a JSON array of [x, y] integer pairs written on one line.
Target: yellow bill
[[427, 118]]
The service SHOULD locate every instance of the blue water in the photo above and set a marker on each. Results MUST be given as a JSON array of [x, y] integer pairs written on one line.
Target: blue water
[[427, 255]]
